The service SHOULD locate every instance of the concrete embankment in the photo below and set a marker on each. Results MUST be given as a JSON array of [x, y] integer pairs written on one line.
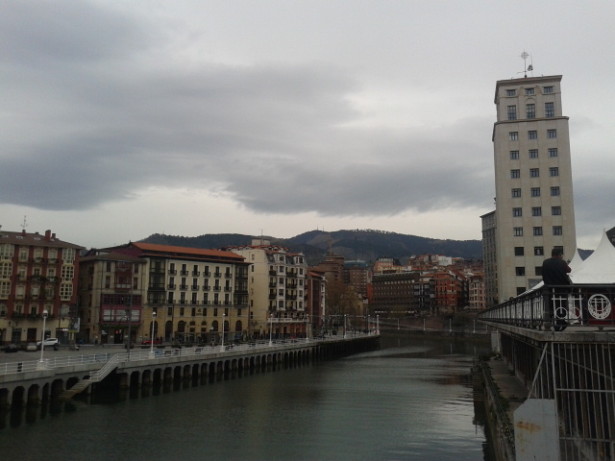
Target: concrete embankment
[[503, 393]]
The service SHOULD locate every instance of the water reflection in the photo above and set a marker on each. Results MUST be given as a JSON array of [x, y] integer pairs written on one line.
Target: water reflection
[[412, 399]]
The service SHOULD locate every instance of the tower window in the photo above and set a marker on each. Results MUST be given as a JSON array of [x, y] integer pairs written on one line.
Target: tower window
[[517, 212], [536, 211], [518, 231], [556, 210], [513, 135], [548, 89], [539, 251], [516, 193], [511, 92], [551, 134], [534, 172], [554, 191], [532, 134], [530, 110], [554, 171], [537, 231], [549, 110], [529, 91], [520, 271], [514, 154], [519, 251], [514, 174], [533, 153], [553, 152], [512, 112]]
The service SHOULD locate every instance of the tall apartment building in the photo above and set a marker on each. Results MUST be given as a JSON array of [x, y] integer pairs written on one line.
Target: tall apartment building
[[111, 297], [191, 294], [38, 278], [277, 288], [533, 181]]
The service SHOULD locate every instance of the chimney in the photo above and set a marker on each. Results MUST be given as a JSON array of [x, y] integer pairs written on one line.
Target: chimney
[[47, 234]]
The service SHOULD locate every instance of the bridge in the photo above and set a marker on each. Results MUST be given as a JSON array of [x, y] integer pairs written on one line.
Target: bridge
[[35, 382], [569, 413]]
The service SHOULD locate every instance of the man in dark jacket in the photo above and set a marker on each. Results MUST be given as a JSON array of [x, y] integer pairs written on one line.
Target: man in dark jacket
[[555, 273]]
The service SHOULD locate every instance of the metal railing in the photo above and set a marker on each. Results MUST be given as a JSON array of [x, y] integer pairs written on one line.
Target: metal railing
[[57, 363], [580, 378], [571, 304]]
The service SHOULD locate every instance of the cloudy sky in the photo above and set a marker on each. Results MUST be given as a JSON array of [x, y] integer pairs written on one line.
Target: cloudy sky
[[120, 119]]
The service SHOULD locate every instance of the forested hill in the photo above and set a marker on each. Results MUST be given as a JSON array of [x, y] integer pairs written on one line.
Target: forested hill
[[367, 245]]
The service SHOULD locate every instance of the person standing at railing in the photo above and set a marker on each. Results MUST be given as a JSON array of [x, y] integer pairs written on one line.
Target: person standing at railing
[[555, 274]]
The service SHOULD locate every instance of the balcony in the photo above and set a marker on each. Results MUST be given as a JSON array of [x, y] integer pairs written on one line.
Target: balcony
[[194, 287]]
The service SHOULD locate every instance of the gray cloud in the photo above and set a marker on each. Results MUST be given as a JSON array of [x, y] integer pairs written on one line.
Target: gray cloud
[[102, 103]]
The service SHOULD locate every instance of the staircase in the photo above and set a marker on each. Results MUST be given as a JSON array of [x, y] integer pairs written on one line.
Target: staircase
[[95, 377]]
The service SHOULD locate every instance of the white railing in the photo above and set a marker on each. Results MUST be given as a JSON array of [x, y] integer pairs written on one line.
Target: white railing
[[58, 363]]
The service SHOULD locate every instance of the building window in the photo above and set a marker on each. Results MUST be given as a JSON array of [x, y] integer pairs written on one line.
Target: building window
[[536, 211], [548, 89], [511, 92], [513, 136], [537, 231], [539, 251], [519, 251], [549, 110], [512, 112], [530, 110], [556, 210], [514, 174], [554, 191], [553, 152], [551, 134], [517, 212], [533, 153], [529, 91], [532, 134], [514, 155], [554, 171], [520, 271], [535, 192], [534, 172], [518, 231], [557, 230], [516, 193]]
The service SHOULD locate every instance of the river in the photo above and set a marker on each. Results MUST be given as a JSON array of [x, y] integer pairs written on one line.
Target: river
[[410, 400]]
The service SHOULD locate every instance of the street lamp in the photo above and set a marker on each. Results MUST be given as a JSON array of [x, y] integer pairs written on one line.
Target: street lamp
[[270, 329], [378, 324], [344, 326], [45, 313], [151, 336], [222, 346]]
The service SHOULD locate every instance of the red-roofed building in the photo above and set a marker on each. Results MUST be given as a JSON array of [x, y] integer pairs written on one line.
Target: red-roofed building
[[187, 293], [38, 277]]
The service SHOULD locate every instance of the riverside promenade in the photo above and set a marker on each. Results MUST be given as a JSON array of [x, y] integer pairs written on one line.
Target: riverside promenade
[[62, 376]]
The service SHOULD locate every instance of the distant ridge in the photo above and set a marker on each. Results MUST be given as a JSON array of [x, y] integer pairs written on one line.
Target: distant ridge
[[367, 245]]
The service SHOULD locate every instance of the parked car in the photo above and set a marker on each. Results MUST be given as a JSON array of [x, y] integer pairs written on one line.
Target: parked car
[[11, 348], [31, 347], [49, 342], [148, 342]]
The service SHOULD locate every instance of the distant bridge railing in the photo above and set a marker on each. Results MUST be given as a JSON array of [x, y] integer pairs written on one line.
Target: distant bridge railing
[[581, 304]]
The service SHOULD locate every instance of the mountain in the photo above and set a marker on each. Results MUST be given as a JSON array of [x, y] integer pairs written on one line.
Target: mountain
[[367, 245]]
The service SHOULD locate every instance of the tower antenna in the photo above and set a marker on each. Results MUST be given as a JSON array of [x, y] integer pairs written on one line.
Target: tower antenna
[[24, 224], [526, 67]]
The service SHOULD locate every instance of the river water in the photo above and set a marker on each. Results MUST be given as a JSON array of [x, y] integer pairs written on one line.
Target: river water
[[410, 400]]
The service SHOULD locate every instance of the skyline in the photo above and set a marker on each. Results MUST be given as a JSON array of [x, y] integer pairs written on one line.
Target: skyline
[[122, 120]]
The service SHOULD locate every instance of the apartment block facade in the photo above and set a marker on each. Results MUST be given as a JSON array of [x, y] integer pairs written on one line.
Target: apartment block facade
[[534, 209], [277, 289], [188, 295], [38, 278]]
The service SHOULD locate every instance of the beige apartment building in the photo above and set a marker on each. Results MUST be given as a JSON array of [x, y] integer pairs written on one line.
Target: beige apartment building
[[534, 209], [277, 289], [185, 295]]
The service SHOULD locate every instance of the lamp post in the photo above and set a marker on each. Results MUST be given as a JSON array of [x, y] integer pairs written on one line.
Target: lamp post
[[270, 329], [344, 326], [45, 313], [151, 336], [222, 346], [377, 324]]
